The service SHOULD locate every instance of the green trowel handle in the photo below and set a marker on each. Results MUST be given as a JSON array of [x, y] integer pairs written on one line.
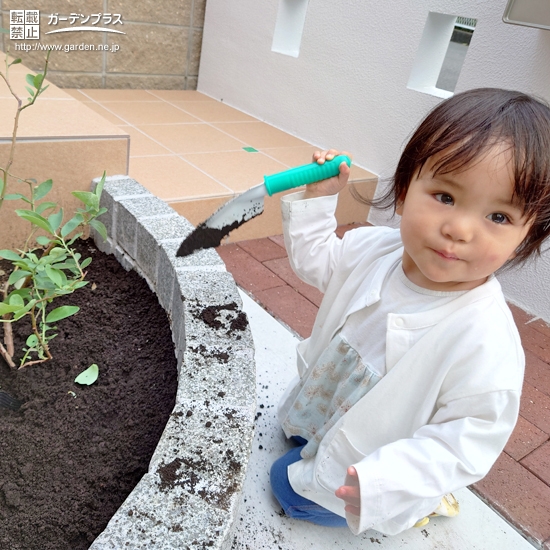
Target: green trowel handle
[[303, 175]]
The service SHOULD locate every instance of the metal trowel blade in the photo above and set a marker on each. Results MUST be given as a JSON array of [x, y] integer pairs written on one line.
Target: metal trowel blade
[[228, 217]]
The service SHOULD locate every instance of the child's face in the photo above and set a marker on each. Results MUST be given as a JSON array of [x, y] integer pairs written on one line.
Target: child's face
[[459, 228]]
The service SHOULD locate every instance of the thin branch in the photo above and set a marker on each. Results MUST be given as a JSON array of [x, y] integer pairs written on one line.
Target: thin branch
[[6, 356]]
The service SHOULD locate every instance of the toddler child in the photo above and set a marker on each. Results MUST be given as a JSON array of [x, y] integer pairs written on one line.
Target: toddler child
[[409, 386]]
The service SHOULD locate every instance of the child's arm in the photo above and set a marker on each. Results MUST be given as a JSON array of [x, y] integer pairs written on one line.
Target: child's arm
[[350, 493], [309, 225]]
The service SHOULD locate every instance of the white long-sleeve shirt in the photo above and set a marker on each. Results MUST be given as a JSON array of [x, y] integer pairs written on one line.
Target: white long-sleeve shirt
[[448, 403]]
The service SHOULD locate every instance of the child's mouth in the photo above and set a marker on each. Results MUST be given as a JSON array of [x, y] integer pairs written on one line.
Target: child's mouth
[[446, 255]]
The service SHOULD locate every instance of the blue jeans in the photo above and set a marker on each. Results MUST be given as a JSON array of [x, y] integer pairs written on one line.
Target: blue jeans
[[293, 504]]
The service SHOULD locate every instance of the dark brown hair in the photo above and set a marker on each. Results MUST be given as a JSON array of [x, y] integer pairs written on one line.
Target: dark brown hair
[[470, 123]]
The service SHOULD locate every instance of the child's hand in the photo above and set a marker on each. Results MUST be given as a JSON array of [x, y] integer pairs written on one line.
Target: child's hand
[[331, 186], [349, 492]]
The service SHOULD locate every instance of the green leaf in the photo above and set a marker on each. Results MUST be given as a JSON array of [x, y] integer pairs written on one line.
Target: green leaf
[[45, 206], [43, 240], [99, 187], [54, 275], [89, 376], [22, 312], [30, 79], [43, 89], [89, 199], [86, 263], [75, 237], [32, 341], [55, 219], [7, 308], [37, 81], [31, 92], [10, 255], [16, 275], [35, 219], [15, 61], [16, 197], [80, 284], [71, 225], [100, 228], [61, 313], [42, 190], [16, 300]]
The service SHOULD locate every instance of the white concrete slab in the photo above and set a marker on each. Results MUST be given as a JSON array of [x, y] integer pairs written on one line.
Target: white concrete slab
[[260, 523]]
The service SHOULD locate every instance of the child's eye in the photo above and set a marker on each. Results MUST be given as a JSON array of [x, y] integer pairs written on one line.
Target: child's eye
[[498, 217], [444, 198]]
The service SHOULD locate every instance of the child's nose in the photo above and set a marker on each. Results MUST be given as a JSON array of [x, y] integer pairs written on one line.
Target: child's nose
[[458, 228]]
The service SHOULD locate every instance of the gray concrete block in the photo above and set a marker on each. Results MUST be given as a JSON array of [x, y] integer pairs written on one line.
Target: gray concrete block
[[213, 310], [222, 373], [123, 186], [123, 259], [126, 227], [207, 451], [177, 319], [107, 246], [165, 280], [151, 231], [155, 516], [205, 258], [149, 206]]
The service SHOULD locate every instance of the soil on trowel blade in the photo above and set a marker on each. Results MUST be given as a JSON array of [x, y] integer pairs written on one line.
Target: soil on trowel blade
[[71, 454]]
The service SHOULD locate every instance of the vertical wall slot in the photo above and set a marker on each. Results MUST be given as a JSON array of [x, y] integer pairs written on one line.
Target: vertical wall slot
[[289, 27], [441, 54]]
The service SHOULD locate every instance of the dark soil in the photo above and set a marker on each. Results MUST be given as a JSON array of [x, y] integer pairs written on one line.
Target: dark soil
[[71, 454]]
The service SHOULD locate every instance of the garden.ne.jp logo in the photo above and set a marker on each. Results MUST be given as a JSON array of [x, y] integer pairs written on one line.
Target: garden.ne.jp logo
[[25, 24]]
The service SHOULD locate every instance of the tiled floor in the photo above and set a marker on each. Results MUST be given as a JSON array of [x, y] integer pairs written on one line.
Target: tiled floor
[[189, 150], [518, 486], [196, 153]]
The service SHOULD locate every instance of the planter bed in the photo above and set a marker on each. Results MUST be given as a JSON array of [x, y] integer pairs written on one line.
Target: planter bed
[[189, 496]]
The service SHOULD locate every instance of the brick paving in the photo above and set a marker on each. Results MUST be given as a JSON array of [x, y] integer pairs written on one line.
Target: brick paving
[[518, 486]]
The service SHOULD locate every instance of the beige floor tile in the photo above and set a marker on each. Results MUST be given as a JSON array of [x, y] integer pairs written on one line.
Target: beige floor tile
[[213, 111], [52, 118], [260, 134], [148, 112], [291, 156], [197, 211], [239, 170], [181, 95], [191, 138], [118, 95], [104, 112], [142, 145], [171, 178], [77, 94]]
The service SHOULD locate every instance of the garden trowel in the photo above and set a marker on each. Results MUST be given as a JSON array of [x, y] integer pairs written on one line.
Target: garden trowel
[[250, 204]]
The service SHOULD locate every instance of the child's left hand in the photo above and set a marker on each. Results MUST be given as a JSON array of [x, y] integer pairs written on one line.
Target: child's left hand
[[349, 492]]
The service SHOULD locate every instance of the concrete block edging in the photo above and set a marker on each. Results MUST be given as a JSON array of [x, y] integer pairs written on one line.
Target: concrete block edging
[[189, 497]]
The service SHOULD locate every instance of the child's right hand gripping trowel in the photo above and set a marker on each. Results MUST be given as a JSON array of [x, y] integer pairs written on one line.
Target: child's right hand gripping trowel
[[250, 204]]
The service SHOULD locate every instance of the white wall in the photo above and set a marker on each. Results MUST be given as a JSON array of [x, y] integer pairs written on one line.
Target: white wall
[[348, 86]]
